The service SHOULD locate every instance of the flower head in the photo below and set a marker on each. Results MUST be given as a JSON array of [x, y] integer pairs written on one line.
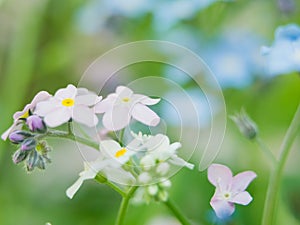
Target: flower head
[[159, 150], [113, 150], [119, 107], [229, 189], [69, 103], [284, 55], [41, 96], [106, 167]]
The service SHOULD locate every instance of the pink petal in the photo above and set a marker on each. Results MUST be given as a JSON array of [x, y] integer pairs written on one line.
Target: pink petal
[[243, 198], [145, 99], [144, 115], [222, 208], [220, 176], [57, 117], [117, 118], [123, 91], [84, 115], [241, 181], [68, 92], [106, 104], [88, 100]]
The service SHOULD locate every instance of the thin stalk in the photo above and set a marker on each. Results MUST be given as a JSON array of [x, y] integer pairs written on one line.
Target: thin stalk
[[124, 205], [67, 135], [177, 212], [265, 149], [103, 180], [121, 136], [269, 215]]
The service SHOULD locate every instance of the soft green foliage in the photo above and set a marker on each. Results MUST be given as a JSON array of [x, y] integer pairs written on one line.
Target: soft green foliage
[[43, 48]]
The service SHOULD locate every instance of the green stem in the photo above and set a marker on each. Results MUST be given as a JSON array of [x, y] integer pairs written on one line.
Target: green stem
[[121, 136], [103, 180], [265, 149], [269, 215], [124, 205], [67, 135], [177, 212]]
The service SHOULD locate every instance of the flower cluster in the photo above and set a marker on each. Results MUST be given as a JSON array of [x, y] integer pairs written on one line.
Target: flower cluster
[[143, 160]]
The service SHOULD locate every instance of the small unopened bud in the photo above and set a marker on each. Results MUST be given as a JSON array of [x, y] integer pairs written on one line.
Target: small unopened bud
[[246, 126], [32, 161], [28, 144], [19, 156], [19, 136], [36, 124]]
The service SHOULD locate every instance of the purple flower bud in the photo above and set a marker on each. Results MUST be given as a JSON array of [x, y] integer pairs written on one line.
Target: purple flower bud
[[36, 124], [19, 156], [19, 136], [28, 144]]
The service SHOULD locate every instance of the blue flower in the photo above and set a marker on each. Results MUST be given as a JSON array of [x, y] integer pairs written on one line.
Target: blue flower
[[284, 55], [234, 58]]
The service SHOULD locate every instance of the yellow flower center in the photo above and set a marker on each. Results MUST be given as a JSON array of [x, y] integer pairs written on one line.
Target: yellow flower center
[[120, 153], [68, 102], [25, 115], [126, 99]]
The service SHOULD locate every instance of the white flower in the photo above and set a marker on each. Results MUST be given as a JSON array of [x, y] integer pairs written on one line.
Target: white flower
[[68, 103], [113, 150], [41, 96], [112, 171], [159, 149], [119, 107]]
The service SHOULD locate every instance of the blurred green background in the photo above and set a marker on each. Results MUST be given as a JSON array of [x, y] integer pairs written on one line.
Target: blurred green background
[[46, 44]]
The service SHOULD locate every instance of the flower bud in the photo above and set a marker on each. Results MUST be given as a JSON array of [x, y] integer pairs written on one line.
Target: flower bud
[[28, 144], [19, 156], [246, 126], [36, 124], [19, 136]]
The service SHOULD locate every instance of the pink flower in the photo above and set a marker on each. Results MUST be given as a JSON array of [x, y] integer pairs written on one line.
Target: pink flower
[[41, 96], [119, 107], [229, 189]]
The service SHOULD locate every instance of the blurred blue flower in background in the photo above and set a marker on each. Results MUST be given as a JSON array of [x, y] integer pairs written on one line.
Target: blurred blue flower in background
[[284, 55], [166, 14], [234, 58]]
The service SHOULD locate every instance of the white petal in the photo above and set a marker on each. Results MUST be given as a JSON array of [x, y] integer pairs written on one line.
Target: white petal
[[145, 115], [88, 100], [220, 176], [243, 198], [71, 191], [119, 175], [123, 92], [106, 104], [58, 117], [109, 148], [145, 100], [84, 115], [117, 118], [45, 107], [5, 135], [68, 92], [181, 162], [39, 97], [241, 181]]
